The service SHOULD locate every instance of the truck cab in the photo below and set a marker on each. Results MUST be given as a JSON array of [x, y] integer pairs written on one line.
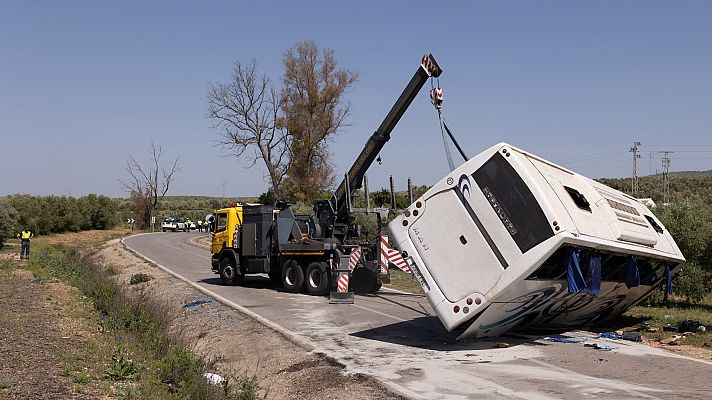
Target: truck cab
[[225, 222]]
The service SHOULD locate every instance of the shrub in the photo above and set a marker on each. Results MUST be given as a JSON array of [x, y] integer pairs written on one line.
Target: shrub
[[9, 218], [177, 366], [121, 368], [690, 283], [140, 278]]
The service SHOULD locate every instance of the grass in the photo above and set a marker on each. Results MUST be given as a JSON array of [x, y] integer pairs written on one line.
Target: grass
[[5, 382], [144, 353], [403, 281], [677, 311]]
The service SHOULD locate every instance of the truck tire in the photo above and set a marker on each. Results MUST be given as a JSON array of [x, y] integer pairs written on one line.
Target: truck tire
[[229, 273], [275, 277], [292, 276], [363, 280], [318, 279]]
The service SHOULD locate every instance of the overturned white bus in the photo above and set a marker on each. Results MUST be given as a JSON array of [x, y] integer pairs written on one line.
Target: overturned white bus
[[509, 240]]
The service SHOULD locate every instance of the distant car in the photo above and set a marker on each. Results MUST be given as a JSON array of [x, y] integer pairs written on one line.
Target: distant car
[[169, 224], [181, 225]]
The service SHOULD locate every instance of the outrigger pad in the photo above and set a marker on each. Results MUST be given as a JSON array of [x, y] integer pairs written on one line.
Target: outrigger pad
[[341, 298]]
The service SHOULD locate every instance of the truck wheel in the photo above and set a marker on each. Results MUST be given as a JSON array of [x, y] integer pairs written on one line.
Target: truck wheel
[[229, 274], [292, 276], [275, 277], [317, 280], [363, 280]]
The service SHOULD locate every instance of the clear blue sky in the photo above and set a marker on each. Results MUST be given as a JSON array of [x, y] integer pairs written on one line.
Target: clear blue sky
[[83, 84]]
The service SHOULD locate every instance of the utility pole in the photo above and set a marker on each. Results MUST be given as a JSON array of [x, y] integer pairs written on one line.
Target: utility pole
[[634, 179], [223, 186], [666, 175]]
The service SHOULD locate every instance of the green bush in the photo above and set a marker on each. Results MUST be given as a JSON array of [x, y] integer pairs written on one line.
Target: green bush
[[104, 295], [178, 366], [56, 214], [140, 278], [690, 283], [121, 367], [9, 219]]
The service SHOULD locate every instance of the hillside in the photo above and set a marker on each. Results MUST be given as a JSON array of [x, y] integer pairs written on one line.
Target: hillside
[[687, 186]]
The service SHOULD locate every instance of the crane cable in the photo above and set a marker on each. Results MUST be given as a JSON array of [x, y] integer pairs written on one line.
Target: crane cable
[[436, 97]]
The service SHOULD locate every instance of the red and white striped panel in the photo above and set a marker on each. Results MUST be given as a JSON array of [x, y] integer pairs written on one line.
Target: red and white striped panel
[[396, 258], [354, 257], [383, 258], [391, 255], [342, 284]]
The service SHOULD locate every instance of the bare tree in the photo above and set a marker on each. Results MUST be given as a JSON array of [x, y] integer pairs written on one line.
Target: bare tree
[[246, 112], [314, 111], [147, 185]]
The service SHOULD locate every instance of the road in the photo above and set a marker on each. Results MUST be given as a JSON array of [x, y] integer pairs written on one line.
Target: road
[[396, 338]]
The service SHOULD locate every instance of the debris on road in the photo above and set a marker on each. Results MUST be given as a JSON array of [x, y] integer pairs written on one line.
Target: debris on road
[[563, 339], [598, 346], [196, 303], [632, 336], [214, 379]]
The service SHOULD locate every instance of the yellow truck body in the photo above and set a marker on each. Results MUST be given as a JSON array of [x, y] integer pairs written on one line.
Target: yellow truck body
[[223, 229]]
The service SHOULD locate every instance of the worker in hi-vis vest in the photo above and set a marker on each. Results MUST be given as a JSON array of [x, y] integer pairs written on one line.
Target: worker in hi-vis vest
[[25, 237]]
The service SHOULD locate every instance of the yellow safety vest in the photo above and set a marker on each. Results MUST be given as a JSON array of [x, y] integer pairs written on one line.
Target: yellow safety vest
[[26, 234]]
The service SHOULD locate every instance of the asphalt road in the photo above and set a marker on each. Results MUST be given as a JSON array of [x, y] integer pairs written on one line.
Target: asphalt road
[[396, 338]]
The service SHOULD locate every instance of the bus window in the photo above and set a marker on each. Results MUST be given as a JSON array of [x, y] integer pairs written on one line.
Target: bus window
[[513, 202]]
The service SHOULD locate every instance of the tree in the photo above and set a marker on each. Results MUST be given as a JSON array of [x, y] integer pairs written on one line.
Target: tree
[[288, 128], [246, 112], [314, 111], [147, 185], [9, 218]]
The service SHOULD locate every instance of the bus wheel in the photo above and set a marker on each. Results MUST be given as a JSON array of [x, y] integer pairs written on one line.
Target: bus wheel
[[292, 276], [317, 280], [229, 273]]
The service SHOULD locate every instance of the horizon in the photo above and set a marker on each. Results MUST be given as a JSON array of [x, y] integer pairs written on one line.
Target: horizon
[[85, 84]]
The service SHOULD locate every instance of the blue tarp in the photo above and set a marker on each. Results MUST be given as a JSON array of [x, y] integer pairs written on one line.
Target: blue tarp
[[668, 277], [594, 274], [573, 272], [632, 275]]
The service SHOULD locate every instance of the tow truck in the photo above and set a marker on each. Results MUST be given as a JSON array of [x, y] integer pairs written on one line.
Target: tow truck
[[310, 252]]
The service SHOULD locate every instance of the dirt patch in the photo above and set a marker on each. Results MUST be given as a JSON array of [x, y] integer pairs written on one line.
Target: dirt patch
[[686, 350], [240, 343], [46, 340]]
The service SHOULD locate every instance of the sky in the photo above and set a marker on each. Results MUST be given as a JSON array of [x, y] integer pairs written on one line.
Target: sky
[[85, 84]]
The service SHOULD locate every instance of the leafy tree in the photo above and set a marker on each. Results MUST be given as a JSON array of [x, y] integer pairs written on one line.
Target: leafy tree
[[9, 218], [287, 128], [690, 283], [314, 111]]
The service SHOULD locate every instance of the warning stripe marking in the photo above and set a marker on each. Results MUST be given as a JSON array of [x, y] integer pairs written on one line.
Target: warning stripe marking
[[354, 257], [342, 284], [388, 255]]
